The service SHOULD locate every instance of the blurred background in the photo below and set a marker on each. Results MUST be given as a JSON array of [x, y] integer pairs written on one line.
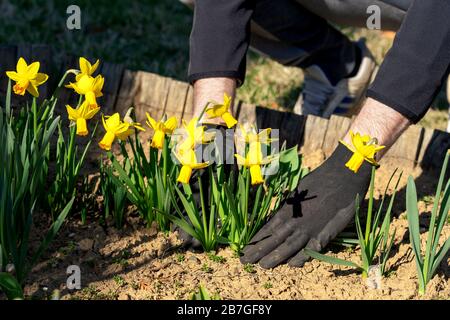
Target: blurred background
[[153, 35]]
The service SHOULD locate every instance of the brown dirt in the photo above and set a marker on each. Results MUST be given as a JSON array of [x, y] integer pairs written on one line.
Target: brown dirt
[[140, 263]]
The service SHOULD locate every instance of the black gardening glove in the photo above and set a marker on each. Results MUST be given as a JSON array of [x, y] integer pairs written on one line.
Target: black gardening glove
[[321, 207]]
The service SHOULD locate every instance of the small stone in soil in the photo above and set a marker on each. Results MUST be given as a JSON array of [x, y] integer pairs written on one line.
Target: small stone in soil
[[123, 296], [86, 244], [194, 259]]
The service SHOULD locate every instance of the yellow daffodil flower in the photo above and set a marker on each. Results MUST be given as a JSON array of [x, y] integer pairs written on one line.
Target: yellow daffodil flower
[[80, 115], [222, 111], [363, 148], [27, 78], [251, 135], [254, 160], [90, 87], [116, 128], [132, 126], [86, 68], [194, 135], [188, 160], [161, 129]]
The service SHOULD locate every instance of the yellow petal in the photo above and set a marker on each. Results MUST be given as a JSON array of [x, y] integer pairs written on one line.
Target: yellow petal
[[91, 99], [256, 175], [185, 174], [171, 124], [125, 133], [216, 111], [99, 81], [90, 112], [13, 75], [229, 119], [138, 126], [113, 121], [151, 122], [241, 160], [40, 79], [72, 113], [33, 69], [95, 66], [82, 127], [226, 100], [85, 84], [32, 89], [355, 162], [86, 67], [255, 153], [158, 140], [107, 141], [200, 165], [22, 66]]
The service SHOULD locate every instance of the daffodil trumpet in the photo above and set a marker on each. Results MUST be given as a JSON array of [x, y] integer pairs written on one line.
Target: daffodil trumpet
[[254, 161], [364, 148], [80, 116], [222, 110], [188, 160], [116, 128], [89, 87], [161, 129], [194, 134]]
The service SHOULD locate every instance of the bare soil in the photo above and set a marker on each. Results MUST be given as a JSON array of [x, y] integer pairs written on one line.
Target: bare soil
[[142, 263]]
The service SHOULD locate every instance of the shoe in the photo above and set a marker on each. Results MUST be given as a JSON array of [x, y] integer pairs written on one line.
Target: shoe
[[321, 98]]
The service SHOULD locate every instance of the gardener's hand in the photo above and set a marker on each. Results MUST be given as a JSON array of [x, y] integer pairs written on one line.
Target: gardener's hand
[[319, 210]]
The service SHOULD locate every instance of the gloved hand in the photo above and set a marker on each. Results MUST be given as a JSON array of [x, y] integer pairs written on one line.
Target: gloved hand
[[321, 207]]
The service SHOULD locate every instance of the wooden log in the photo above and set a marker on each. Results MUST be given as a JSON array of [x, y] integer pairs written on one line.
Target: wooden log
[[291, 129], [426, 138], [129, 86], [188, 111], [247, 114], [272, 118], [314, 135], [44, 54], [152, 95], [435, 150], [176, 99], [67, 96], [336, 129], [407, 146], [260, 116], [7, 63], [113, 76]]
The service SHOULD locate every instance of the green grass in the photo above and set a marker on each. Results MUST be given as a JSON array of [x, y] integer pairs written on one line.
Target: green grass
[[216, 258], [153, 35], [249, 268]]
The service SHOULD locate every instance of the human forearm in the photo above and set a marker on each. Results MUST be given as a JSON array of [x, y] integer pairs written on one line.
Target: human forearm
[[379, 121], [212, 89]]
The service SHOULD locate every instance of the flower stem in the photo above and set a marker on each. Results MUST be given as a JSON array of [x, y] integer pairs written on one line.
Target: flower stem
[[203, 111], [35, 116], [370, 206]]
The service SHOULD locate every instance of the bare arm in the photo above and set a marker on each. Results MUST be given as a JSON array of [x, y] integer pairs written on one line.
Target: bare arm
[[379, 121], [212, 89]]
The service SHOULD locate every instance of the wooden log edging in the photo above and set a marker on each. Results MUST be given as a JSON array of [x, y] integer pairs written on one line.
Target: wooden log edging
[[417, 146], [149, 92]]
